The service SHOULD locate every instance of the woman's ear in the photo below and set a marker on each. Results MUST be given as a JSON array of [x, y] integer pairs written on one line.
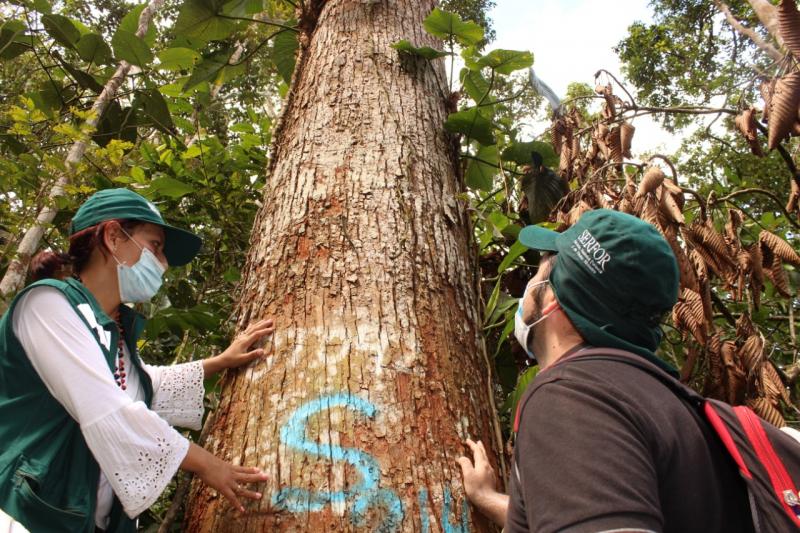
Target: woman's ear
[[112, 235]]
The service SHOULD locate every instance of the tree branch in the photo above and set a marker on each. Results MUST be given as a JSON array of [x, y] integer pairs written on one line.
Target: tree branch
[[770, 50], [768, 15]]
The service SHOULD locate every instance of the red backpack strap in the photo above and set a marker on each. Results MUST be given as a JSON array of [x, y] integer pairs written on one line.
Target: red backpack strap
[[722, 430], [781, 482]]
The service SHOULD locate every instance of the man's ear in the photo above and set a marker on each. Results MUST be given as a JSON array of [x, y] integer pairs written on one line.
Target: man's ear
[[549, 302]]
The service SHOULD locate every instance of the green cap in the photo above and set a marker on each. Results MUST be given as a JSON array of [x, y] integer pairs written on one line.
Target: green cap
[[615, 276], [180, 246]]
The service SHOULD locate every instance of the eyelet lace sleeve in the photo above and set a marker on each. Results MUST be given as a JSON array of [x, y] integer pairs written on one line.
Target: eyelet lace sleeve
[[178, 393], [145, 454]]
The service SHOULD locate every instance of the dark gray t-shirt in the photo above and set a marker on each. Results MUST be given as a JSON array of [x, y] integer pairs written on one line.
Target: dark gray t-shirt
[[603, 445]]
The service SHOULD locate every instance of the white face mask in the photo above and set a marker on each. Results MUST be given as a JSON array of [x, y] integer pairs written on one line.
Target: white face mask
[[523, 331], [140, 282]]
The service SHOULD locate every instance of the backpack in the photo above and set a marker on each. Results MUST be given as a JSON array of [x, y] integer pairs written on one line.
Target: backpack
[[767, 458]]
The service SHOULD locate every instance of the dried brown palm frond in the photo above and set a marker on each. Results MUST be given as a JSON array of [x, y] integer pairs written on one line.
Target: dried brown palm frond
[[767, 89], [767, 411], [614, 141], [652, 179], [751, 353], [746, 124], [626, 131], [794, 198], [789, 26], [777, 275], [732, 226], [675, 190], [565, 162], [699, 264], [745, 327], [687, 274], [779, 247], [694, 315], [600, 135], [577, 210], [557, 132], [773, 384], [733, 376], [783, 108], [756, 273], [670, 208]]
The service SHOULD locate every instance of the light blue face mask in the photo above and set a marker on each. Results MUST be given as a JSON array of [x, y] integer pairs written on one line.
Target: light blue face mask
[[140, 282], [523, 331]]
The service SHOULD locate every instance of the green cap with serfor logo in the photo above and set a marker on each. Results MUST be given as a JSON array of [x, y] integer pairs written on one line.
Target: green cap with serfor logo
[[615, 276], [180, 246]]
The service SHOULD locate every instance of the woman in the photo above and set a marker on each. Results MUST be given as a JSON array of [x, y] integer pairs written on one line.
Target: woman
[[83, 422]]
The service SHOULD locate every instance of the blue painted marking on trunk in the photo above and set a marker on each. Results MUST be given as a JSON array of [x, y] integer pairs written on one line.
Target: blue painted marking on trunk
[[447, 526], [362, 496]]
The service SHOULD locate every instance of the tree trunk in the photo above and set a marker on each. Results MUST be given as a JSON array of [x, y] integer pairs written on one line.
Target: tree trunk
[[362, 251]]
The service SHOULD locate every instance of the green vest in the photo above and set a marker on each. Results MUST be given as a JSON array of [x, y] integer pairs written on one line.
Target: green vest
[[48, 476]]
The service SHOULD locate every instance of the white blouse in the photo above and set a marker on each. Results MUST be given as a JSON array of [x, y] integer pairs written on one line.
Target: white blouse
[[137, 450]]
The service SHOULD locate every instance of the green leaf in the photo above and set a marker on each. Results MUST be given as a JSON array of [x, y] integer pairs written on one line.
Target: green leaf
[[130, 23], [83, 78], [154, 110], [42, 6], [506, 61], [200, 20], [284, 48], [476, 86], [426, 52], [131, 48], [516, 250], [492, 302], [177, 59], [472, 124], [443, 24], [520, 153], [61, 29], [170, 187], [93, 49], [13, 41], [510, 405], [480, 175], [116, 123], [209, 68], [243, 8]]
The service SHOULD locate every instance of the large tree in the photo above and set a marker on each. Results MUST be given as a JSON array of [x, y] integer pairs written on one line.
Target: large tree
[[362, 251]]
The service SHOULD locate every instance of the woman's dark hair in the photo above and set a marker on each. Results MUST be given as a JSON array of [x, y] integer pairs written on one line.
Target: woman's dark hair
[[60, 265]]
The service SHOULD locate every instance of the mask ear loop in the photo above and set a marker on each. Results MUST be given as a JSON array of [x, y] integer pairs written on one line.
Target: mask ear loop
[[130, 238]]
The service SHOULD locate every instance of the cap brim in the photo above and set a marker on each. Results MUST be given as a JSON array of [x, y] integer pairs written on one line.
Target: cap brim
[[539, 238], [180, 246]]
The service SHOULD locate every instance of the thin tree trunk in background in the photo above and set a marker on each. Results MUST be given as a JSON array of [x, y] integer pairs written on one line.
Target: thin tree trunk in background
[[362, 251], [14, 278]]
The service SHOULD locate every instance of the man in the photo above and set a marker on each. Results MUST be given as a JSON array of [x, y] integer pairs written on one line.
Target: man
[[602, 445]]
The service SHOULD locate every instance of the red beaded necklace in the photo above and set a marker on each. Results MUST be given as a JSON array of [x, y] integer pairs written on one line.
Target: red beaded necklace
[[119, 370]]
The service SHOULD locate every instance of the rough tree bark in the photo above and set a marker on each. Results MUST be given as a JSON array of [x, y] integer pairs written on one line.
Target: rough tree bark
[[362, 252], [15, 275]]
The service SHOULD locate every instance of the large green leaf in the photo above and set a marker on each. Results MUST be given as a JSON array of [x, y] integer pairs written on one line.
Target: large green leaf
[[443, 24], [427, 52], [521, 153], [131, 48], [283, 52], [130, 23], [475, 85], [13, 41], [177, 59], [506, 61], [93, 49], [116, 123], [516, 250], [198, 19], [170, 187], [480, 175], [61, 29], [154, 110], [510, 405], [243, 8], [84, 79], [471, 124], [209, 68]]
